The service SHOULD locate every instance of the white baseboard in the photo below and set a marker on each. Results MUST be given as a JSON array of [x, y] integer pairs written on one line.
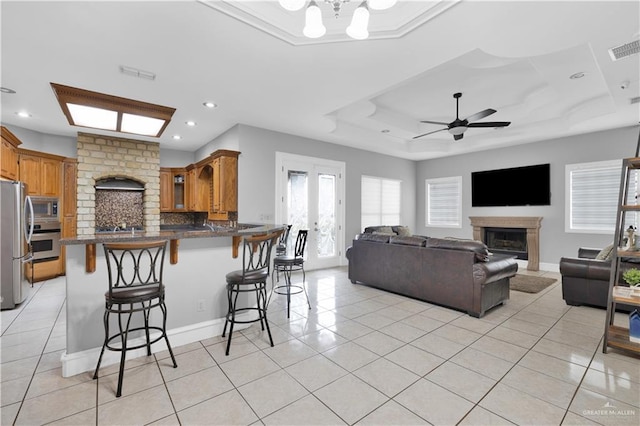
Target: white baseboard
[[79, 362]]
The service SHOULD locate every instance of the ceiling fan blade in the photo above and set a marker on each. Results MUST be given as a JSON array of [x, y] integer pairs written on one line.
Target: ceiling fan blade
[[425, 134], [490, 124], [480, 115], [458, 137], [434, 122]]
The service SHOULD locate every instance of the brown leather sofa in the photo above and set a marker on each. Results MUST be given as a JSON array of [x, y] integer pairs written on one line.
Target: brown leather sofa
[[458, 274], [585, 280]]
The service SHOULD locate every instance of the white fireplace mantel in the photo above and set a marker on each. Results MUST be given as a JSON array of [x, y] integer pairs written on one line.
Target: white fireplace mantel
[[531, 223]]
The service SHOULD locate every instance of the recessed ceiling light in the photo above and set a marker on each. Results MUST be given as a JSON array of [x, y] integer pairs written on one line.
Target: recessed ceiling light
[[209, 104], [577, 75], [7, 90], [177, 137], [190, 123], [23, 114]]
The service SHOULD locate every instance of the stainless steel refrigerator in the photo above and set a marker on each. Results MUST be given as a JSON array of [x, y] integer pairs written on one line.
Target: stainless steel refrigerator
[[16, 229]]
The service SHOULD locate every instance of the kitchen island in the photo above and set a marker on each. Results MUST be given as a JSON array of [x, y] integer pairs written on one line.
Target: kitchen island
[[195, 288]]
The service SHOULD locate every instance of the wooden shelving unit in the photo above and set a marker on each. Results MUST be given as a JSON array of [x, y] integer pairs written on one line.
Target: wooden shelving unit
[[616, 336]]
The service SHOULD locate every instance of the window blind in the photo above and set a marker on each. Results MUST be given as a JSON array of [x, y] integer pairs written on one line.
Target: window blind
[[380, 201], [444, 202], [594, 190]]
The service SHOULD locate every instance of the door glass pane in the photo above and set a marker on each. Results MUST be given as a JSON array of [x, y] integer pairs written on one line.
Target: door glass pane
[[298, 208], [326, 215]]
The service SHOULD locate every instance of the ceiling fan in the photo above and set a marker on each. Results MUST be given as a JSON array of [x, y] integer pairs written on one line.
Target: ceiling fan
[[457, 127]]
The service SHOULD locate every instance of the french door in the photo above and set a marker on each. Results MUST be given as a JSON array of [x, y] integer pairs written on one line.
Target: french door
[[309, 194]]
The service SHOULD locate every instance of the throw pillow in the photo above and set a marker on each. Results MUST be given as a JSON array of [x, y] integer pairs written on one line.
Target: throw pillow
[[402, 231], [606, 253], [374, 236], [379, 230], [479, 249], [408, 240]]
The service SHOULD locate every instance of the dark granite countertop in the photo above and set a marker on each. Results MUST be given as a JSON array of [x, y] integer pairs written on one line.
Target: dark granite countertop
[[173, 233]]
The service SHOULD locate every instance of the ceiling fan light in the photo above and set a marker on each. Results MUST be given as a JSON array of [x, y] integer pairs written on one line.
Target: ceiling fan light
[[359, 23], [381, 4], [291, 5], [458, 130], [313, 27]]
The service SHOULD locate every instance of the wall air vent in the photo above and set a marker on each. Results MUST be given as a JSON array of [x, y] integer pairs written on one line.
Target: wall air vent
[[624, 50], [635, 100]]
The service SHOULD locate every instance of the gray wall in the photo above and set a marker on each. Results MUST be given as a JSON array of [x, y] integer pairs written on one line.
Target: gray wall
[[43, 142], [554, 241], [175, 158], [256, 174]]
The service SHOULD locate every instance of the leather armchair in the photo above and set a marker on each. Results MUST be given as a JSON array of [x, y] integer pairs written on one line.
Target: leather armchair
[[585, 280]]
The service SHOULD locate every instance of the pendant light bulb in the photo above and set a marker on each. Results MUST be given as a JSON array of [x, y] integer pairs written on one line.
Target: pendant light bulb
[[292, 5], [359, 23], [313, 21]]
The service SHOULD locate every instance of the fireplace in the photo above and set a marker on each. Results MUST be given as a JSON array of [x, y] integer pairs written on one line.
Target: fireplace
[[511, 241], [529, 225]]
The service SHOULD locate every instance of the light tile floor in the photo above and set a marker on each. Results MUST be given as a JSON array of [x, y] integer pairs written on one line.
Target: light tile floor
[[359, 356]]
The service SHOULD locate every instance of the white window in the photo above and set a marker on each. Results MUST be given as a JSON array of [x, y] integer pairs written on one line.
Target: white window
[[591, 194], [380, 201], [444, 202]]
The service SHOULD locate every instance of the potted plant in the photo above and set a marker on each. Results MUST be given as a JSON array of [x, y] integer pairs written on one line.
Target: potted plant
[[632, 277]]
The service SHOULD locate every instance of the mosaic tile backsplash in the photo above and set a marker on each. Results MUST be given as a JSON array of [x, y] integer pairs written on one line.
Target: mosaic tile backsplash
[[113, 208], [191, 218]]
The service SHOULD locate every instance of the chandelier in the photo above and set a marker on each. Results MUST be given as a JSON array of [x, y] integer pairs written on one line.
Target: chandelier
[[314, 28]]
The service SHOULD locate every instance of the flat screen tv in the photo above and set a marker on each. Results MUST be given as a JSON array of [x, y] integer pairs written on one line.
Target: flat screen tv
[[518, 186]]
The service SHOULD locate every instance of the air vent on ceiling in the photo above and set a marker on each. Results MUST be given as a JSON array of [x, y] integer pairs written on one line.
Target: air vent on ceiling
[[134, 72], [625, 50], [635, 100]]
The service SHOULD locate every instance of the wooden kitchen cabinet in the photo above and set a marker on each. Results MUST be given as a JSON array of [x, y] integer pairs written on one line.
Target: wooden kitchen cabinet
[[179, 178], [202, 188], [210, 185], [197, 190], [9, 155], [69, 222], [173, 189], [30, 173], [51, 176], [42, 172], [69, 197], [224, 184], [166, 190]]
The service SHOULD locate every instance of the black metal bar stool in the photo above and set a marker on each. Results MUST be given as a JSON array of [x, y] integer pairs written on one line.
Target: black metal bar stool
[[256, 264], [281, 248], [135, 285], [287, 264]]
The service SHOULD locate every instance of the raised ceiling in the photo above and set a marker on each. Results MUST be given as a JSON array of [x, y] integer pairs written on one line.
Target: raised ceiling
[[250, 59]]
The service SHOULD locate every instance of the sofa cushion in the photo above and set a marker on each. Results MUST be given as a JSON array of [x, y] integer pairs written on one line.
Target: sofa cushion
[[606, 253], [403, 231], [408, 240], [379, 238], [379, 230], [478, 247]]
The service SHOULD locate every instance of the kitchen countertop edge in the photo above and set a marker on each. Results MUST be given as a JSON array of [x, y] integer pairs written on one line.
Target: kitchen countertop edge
[[121, 237]]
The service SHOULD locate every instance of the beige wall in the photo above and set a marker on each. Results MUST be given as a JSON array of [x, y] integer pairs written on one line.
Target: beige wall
[[103, 156]]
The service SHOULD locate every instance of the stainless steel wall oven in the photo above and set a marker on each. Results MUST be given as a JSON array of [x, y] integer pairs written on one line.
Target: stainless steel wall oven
[[45, 242]]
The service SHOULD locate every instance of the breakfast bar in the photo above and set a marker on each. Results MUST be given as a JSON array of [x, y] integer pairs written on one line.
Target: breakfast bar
[[194, 284]]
